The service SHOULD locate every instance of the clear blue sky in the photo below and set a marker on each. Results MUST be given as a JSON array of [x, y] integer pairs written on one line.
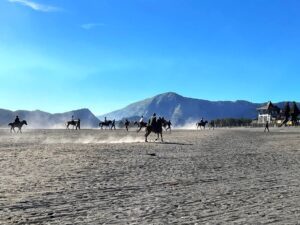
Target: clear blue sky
[[59, 55]]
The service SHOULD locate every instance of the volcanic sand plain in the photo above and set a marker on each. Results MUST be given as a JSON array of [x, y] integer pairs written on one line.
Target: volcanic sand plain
[[221, 176]]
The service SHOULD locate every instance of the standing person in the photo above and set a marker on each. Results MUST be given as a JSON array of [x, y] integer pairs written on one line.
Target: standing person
[[127, 124], [212, 124], [267, 127], [113, 124], [78, 124]]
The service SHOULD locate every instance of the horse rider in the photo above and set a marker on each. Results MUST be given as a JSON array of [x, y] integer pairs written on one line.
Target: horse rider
[[141, 120], [72, 118], [17, 120], [105, 120], [152, 120], [202, 120]]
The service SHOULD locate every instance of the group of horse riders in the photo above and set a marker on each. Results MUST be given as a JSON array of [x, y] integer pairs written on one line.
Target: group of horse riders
[[140, 123], [76, 123]]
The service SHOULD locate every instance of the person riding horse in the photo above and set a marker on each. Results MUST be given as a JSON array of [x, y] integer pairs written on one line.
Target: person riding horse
[[74, 123], [154, 125], [17, 123]]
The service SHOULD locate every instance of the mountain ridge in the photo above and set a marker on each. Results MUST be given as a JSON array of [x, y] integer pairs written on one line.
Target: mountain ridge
[[182, 110], [179, 109]]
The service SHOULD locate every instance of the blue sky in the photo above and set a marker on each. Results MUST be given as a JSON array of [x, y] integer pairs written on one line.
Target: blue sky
[[59, 55]]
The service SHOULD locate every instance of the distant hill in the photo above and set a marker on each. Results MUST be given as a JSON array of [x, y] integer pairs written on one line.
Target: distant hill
[[40, 119], [182, 110]]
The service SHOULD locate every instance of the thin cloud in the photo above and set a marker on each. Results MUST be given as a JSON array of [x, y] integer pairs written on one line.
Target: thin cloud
[[88, 26], [36, 6]]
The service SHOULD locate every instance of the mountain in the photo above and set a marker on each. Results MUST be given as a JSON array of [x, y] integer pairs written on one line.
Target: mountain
[[181, 110], [40, 119]]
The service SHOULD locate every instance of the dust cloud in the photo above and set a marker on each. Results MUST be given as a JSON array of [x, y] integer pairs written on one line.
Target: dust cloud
[[94, 140]]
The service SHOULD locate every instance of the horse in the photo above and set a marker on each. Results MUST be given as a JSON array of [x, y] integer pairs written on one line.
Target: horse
[[156, 128], [18, 125], [105, 124], [140, 125], [167, 125], [74, 123], [201, 124]]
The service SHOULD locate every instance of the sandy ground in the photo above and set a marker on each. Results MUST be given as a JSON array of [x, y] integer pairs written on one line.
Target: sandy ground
[[226, 176]]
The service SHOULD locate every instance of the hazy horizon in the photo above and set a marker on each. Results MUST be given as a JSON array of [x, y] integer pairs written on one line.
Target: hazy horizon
[[62, 55]]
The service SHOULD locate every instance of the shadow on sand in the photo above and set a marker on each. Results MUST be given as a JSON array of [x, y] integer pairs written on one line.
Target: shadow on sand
[[170, 143]]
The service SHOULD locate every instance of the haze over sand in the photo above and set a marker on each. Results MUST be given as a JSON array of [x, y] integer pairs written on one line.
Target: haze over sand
[[241, 176]]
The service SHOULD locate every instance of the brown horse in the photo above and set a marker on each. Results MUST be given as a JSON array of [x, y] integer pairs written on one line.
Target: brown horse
[[18, 125], [156, 128]]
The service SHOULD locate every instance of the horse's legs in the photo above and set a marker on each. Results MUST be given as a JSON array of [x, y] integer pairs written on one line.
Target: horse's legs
[[157, 137], [161, 136], [146, 135], [139, 129]]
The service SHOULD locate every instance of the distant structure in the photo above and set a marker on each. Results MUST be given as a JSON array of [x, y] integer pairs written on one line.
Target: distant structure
[[268, 113]]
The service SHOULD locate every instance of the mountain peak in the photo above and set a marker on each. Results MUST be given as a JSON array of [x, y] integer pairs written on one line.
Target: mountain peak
[[169, 94]]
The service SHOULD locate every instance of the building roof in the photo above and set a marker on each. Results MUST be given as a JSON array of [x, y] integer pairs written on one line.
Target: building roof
[[269, 107]]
